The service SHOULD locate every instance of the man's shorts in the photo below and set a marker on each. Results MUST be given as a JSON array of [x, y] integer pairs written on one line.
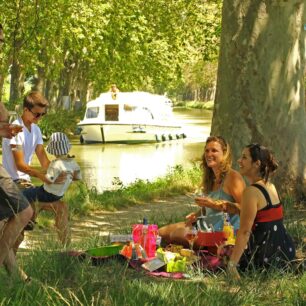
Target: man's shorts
[[39, 194], [12, 200]]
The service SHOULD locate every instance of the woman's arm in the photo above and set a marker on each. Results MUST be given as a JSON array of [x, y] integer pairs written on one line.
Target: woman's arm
[[248, 213], [234, 185], [192, 217]]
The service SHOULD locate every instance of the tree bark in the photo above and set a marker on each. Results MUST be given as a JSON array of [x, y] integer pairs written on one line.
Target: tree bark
[[2, 79], [17, 81], [260, 88], [39, 80], [51, 92]]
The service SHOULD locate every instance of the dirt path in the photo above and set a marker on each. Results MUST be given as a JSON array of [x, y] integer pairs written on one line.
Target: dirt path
[[103, 223]]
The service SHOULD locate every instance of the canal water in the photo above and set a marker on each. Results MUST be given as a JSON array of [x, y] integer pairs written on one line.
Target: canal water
[[102, 164]]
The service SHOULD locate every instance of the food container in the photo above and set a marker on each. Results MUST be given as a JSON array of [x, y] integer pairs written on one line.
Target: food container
[[107, 250], [207, 239]]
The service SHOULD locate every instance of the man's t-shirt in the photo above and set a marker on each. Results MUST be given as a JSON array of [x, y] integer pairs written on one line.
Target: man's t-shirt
[[28, 141]]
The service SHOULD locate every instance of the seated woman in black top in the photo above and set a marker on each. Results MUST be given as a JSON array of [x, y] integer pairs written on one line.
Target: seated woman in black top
[[261, 218]]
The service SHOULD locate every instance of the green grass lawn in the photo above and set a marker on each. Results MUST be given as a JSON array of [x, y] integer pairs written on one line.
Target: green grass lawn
[[63, 280]]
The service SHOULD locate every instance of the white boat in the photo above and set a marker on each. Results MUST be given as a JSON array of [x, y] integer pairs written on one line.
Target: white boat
[[129, 116]]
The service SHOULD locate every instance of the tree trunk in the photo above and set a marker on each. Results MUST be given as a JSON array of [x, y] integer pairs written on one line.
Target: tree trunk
[[260, 88], [17, 82], [83, 90], [2, 79], [39, 80], [51, 92], [66, 79]]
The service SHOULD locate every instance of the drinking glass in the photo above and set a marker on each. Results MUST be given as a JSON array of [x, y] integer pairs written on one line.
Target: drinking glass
[[16, 128], [191, 235]]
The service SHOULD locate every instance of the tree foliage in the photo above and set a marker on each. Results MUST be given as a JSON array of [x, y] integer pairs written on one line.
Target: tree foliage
[[79, 47]]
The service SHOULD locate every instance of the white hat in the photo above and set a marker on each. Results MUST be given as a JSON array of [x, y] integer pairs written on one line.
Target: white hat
[[59, 144]]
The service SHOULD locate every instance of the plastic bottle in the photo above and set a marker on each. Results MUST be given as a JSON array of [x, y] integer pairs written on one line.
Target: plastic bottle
[[228, 229], [137, 232], [151, 240], [144, 235], [148, 238]]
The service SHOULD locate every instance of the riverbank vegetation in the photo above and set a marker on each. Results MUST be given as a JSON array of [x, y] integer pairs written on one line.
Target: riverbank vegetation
[[208, 105]]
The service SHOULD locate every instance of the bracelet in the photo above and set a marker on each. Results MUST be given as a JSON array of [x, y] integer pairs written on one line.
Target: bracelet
[[231, 264]]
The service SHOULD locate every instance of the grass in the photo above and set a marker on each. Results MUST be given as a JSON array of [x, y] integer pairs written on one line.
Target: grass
[[178, 181], [83, 200], [208, 105], [63, 280]]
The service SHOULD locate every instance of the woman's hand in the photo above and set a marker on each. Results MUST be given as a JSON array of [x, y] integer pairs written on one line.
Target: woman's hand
[[191, 218], [209, 202], [204, 201], [231, 208]]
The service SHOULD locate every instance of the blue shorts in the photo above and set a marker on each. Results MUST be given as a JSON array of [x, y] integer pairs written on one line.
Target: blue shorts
[[39, 194]]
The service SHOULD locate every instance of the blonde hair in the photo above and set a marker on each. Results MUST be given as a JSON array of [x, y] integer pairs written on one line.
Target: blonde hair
[[225, 166]]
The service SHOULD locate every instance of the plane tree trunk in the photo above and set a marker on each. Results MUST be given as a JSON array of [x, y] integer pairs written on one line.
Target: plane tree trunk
[[17, 81], [260, 85]]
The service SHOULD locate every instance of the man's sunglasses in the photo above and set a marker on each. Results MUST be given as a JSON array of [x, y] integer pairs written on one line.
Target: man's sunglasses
[[37, 115]]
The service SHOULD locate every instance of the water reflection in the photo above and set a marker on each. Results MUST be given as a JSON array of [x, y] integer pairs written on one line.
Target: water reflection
[[101, 163]]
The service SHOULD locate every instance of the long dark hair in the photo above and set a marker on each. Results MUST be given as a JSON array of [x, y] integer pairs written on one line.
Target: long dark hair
[[226, 164], [268, 163]]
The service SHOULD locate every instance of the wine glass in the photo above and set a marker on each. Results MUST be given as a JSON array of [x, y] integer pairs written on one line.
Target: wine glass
[[191, 235]]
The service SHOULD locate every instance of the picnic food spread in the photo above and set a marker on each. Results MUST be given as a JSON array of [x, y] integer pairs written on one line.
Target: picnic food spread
[[140, 249]]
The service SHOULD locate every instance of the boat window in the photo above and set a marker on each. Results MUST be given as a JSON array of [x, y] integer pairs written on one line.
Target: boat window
[[129, 108], [111, 112], [92, 112]]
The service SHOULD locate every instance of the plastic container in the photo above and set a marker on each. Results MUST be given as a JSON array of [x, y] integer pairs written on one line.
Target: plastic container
[[206, 239], [108, 250]]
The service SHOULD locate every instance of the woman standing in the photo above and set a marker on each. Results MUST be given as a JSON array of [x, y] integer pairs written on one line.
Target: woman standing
[[223, 186], [261, 218]]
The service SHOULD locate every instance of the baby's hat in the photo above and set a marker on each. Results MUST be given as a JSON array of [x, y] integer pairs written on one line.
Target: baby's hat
[[59, 144]]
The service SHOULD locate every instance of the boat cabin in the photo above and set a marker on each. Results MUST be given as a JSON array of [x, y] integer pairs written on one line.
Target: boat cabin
[[129, 107]]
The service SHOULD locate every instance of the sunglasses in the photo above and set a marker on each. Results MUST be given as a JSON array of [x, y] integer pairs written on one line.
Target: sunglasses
[[37, 115]]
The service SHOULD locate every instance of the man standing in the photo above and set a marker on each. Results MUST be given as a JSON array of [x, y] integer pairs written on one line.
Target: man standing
[[18, 153], [15, 211]]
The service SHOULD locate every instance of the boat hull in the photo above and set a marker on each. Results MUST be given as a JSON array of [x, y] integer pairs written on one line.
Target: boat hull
[[103, 133]]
